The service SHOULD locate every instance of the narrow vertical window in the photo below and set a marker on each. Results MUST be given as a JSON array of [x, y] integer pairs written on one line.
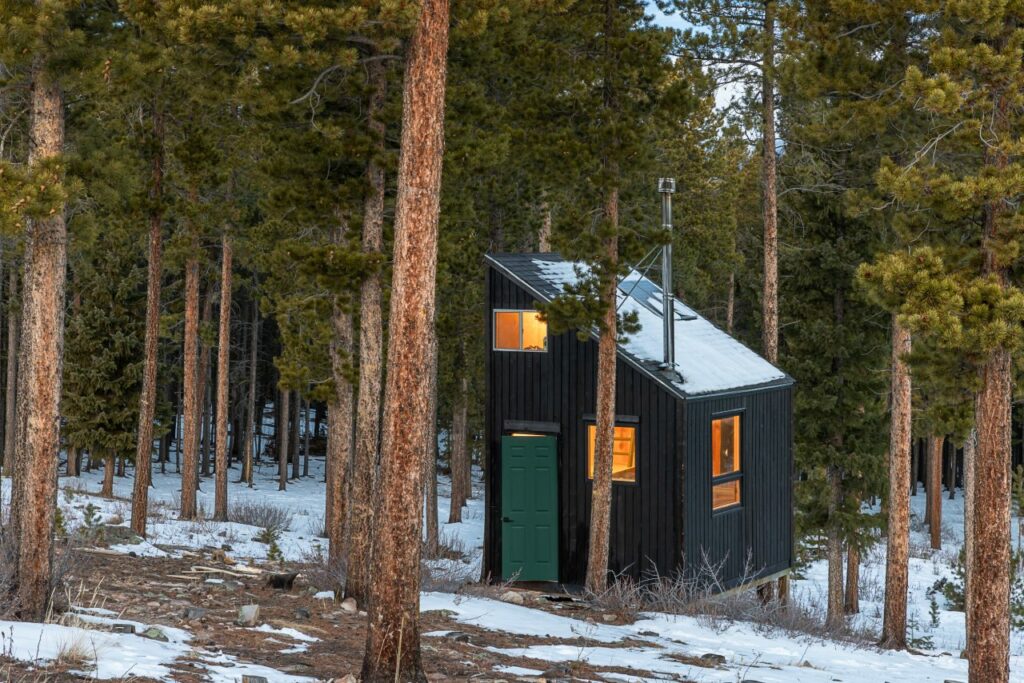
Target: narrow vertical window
[[725, 462], [520, 331]]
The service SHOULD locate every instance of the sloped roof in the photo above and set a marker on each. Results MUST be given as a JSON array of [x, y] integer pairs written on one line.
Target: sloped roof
[[708, 361]]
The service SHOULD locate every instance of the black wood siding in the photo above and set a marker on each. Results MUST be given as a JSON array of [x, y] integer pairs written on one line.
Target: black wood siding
[[760, 529], [559, 386], [666, 516]]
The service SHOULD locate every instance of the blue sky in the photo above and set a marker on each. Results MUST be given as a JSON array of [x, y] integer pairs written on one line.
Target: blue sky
[[666, 20]]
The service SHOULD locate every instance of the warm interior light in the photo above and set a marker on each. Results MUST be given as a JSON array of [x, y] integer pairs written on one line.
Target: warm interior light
[[725, 460], [506, 330], [623, 453], [535, 332]]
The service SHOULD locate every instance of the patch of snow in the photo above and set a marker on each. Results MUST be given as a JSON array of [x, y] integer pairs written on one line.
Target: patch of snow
[[324, 595], [292, 633], [111, 655]]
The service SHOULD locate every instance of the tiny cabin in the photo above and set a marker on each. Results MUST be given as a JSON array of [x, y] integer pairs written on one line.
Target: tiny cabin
[[703, 450]]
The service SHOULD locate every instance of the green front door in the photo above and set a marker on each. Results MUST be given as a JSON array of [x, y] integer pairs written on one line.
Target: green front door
[[529, 508]]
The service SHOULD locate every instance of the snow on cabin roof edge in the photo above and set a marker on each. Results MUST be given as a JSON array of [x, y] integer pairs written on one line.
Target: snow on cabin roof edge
[[709, 360]]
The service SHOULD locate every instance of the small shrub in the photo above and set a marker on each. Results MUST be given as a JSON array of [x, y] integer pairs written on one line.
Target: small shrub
[[263, 515]]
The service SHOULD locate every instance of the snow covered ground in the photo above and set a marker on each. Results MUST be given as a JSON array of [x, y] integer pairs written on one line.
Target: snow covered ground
[[655, 647]]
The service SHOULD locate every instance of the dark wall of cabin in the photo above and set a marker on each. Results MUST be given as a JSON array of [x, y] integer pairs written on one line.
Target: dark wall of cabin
[[559, 387], [762, 526]]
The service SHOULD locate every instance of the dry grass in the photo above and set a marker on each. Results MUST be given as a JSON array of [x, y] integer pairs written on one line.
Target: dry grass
[[75, 654], [717, 606]]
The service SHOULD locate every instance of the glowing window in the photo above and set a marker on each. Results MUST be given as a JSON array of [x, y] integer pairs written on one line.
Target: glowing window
[[623, 453], [520, 331], [725, 462]]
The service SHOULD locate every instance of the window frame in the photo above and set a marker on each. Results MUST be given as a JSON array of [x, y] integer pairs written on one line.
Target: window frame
[[629, 421], [737, 475], [519, 311]]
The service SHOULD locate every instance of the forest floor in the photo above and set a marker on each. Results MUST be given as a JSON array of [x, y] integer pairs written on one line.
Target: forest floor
[[181, 590]]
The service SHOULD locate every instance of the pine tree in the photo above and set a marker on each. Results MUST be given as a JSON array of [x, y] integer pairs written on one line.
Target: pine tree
[[105, 340], [392, 645], [738, 42]]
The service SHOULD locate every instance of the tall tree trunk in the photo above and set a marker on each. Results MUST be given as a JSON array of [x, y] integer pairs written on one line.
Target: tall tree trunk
[[607, 354], [988, 637], [339, 425], [220, 506], [460, 460], [770, 295], [915, 459], [951, 473], [851, 604], [305, 440], [108, 476], [73, 461], [251, 407], [42, 348], [894, 622], [392, 643], [282, 453], [190, 387], [834, 553], [203, 413], [365, 467], [935, 491], [296, 412], [970, 451], [430, 464], [11, 389], [147, 397]]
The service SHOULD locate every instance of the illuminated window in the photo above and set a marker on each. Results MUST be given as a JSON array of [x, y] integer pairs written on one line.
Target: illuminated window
[[623, 453], [725, 462], [520, 331]]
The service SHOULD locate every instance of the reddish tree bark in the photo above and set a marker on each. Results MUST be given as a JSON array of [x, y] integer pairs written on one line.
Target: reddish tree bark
[[108, 476], [42, 349], [282, 454], [220, 504], [851, 605], [894, 621], [364, 470], [147, 397], [392, 643], [834, 554], [190, 387], [935, 491], [988, 635], [607, 357]]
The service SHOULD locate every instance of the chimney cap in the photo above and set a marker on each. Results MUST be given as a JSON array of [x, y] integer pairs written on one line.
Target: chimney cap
[[666, 185]]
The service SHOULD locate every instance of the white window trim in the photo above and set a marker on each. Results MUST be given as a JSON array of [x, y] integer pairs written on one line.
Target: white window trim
[[494, 331]]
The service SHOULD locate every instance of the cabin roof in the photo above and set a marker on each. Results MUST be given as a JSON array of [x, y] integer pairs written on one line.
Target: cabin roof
[[708, 360]]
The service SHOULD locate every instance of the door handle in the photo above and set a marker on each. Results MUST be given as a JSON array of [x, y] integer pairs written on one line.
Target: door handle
[[506, 519]]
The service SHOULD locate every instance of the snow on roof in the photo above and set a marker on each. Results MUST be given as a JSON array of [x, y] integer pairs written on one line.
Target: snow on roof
[[707, 359]]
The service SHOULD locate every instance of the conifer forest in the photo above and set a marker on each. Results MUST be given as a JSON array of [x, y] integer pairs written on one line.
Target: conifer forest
[[306, 306]]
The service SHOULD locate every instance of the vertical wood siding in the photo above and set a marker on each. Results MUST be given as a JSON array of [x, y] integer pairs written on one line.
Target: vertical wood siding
[[756, 536]]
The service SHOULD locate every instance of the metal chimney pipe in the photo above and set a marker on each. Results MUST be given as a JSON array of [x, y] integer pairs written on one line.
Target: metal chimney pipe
[[667, 186]]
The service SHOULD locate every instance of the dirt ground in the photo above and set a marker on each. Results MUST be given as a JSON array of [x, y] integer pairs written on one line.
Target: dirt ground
[[160, 590]]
